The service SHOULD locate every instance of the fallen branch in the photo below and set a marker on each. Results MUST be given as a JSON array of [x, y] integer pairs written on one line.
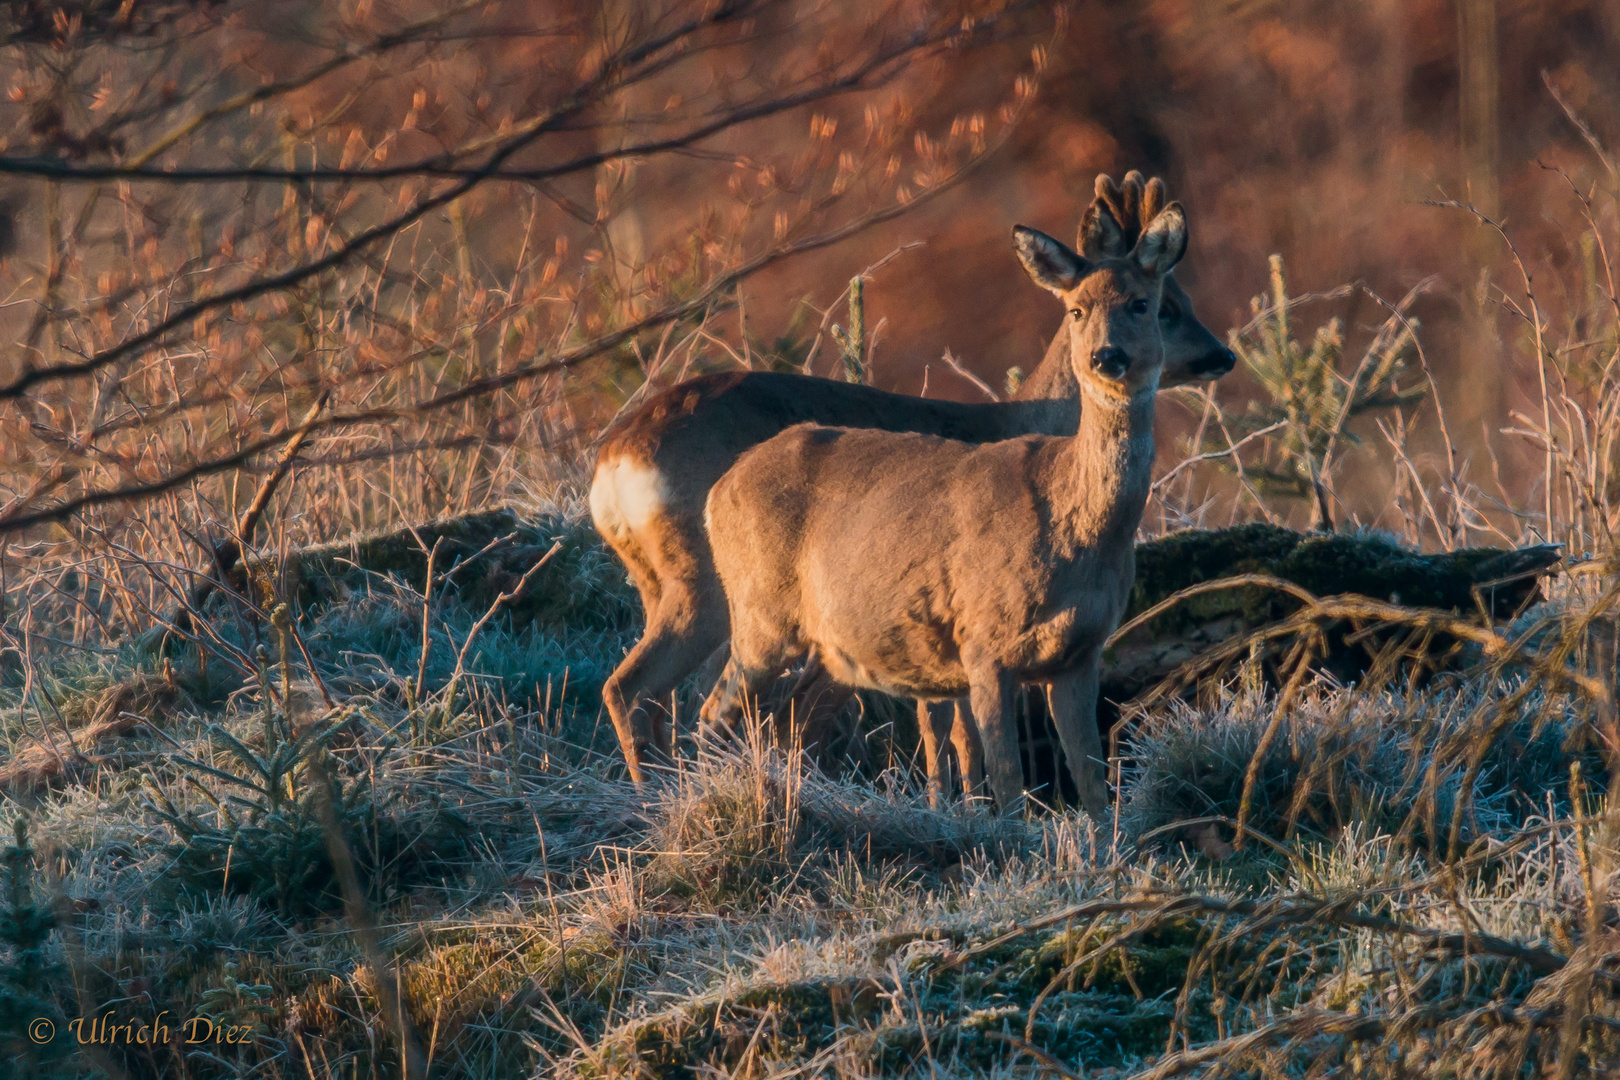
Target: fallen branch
[[1345, 1027], [1348, 606]]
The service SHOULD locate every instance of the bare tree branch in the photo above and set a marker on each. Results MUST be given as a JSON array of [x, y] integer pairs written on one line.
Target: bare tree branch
[[856, 79], [17, 519]]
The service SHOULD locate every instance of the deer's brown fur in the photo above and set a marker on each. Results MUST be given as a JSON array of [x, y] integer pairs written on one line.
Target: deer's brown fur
[[655, 469], [929, 567]]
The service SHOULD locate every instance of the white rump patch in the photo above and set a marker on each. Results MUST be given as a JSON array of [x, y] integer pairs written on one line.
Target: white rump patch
[[626, 495]]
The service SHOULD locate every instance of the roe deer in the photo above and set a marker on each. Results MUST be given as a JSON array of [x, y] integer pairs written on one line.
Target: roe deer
[[656, 466], [927, 567], [1132, 204]]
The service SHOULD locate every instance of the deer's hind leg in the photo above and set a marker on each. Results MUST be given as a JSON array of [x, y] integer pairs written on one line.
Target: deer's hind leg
[[737, 691], [933, 725], [806, 711], [757, 659], [687, 621], [949, 723]]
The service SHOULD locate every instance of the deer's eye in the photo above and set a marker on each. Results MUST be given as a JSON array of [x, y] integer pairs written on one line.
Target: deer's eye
[[1078, 311], [1168, 314], [1139, 307]]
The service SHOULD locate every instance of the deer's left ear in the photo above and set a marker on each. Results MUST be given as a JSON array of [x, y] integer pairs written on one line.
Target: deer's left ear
[[1163, 242], [1051, 263]]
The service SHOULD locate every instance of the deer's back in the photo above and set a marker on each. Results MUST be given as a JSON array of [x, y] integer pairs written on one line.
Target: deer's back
[[693, 432]]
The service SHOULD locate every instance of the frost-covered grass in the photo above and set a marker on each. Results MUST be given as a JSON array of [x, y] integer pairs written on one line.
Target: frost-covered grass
[[468, 882]]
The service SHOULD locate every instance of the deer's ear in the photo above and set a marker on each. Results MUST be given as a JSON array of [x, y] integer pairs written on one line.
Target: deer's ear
[[1163, 242], [1052, 263], [1101, 236]]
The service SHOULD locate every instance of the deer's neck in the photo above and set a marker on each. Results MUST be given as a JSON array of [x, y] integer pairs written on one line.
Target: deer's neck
[[1106, 471], [1048, 403]]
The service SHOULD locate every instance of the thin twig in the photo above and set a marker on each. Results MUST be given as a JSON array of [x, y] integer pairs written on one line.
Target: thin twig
[[950, 361], [226, 553], [472, 635]]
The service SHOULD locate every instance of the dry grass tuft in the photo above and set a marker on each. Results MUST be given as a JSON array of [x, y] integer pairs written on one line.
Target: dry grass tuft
[[94, 726]]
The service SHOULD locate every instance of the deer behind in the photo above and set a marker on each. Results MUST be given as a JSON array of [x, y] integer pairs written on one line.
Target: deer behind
[[931, 568], [657, 465]]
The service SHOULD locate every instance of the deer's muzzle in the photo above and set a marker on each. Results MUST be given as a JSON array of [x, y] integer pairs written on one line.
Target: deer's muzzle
[[1110, 361]]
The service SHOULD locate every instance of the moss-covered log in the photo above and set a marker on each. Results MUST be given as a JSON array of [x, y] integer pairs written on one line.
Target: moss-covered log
[[582, 587], [1468, 582]]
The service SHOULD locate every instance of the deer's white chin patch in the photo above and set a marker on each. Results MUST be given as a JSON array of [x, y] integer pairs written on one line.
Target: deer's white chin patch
[[626, 495]]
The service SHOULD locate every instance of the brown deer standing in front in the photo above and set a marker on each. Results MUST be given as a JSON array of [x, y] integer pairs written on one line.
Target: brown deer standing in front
[[930, 568], [1132, 204], [655, 469]]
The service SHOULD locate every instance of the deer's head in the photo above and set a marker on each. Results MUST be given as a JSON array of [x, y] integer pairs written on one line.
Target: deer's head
[[1191, 353], [1113, 302]]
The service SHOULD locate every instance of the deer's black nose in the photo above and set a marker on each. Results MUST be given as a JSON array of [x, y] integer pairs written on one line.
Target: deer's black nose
[[1111, 361], [1216, 364]]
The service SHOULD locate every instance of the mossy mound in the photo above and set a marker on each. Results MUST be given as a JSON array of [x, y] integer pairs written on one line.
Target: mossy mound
[[581, 588]]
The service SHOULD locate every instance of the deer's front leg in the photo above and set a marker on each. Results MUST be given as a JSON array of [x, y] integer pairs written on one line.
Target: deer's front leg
[[1072, 699], [992, 696]]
